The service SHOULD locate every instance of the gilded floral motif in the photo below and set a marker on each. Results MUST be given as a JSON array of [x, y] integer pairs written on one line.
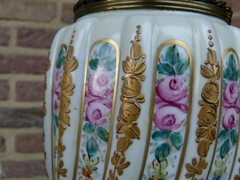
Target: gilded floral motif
[[67, 89], [56, 94], [127, 126], [45, 86], [207, 124]]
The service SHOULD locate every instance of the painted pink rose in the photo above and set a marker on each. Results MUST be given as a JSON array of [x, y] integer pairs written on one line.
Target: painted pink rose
[[97, 113], [172, 91], [231, 96], [100, 85], [230, 119], [105, 102], [169, 118], [57, 90]]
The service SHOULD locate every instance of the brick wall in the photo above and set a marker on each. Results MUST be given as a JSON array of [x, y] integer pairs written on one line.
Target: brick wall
[[27, 28]]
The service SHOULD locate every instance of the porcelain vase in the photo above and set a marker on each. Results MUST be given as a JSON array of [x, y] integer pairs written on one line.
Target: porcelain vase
[[139, 94]]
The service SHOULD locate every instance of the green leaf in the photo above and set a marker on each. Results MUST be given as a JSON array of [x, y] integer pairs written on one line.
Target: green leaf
[[172, 55], [166, 69], [225, 149], [232, 62], [88, 128], [105, 50], [231, 72], [93, 64], [228, 74], [109, 66], [92, 147], [61, 56], [223, 134], [236, 75], [157, 135], [54, 131], [55, 124], [162, 152], [56, 120], [181, 67], [102, 133], [234, 137], [176, 140]]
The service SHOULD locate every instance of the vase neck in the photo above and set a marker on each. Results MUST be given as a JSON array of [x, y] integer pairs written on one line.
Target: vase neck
[[215, 8]]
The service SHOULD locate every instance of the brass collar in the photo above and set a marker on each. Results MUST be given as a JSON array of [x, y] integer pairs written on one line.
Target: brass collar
[[217, 9]]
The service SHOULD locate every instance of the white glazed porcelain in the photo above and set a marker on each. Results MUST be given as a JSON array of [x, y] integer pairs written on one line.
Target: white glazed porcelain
[[140, 94]]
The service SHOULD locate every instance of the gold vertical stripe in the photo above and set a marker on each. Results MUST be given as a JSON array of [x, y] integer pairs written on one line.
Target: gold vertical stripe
[[127, 127], [112, 42], [221, 117], [150, 121], [52, 124], [175, 42], [188, 125], [80, 121], [218, 127], [67, 90], [236, 151], [209, 105], [113, 107]]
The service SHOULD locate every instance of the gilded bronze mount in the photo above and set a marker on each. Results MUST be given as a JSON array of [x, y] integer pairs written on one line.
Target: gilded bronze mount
[[215, 8]]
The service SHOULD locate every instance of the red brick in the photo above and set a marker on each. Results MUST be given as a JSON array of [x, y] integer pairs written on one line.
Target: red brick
[[21, 117], [22, 64], [236, 21], [28, 10], [67, 13], [29, 91], [235, 4], [5, 36], [4, 90], [29, 143], [21, 169], [35, 38], [2, 144]]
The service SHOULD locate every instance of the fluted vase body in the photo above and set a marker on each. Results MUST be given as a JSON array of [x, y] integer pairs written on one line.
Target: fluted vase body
[[143, 94]]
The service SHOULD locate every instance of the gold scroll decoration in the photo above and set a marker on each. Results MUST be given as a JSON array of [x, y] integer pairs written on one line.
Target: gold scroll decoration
[[131, 97], [67, 88], [44, 110], [207, 118]]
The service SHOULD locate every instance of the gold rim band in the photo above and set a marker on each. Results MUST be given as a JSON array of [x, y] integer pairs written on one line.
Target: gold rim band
[[223, 12]]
